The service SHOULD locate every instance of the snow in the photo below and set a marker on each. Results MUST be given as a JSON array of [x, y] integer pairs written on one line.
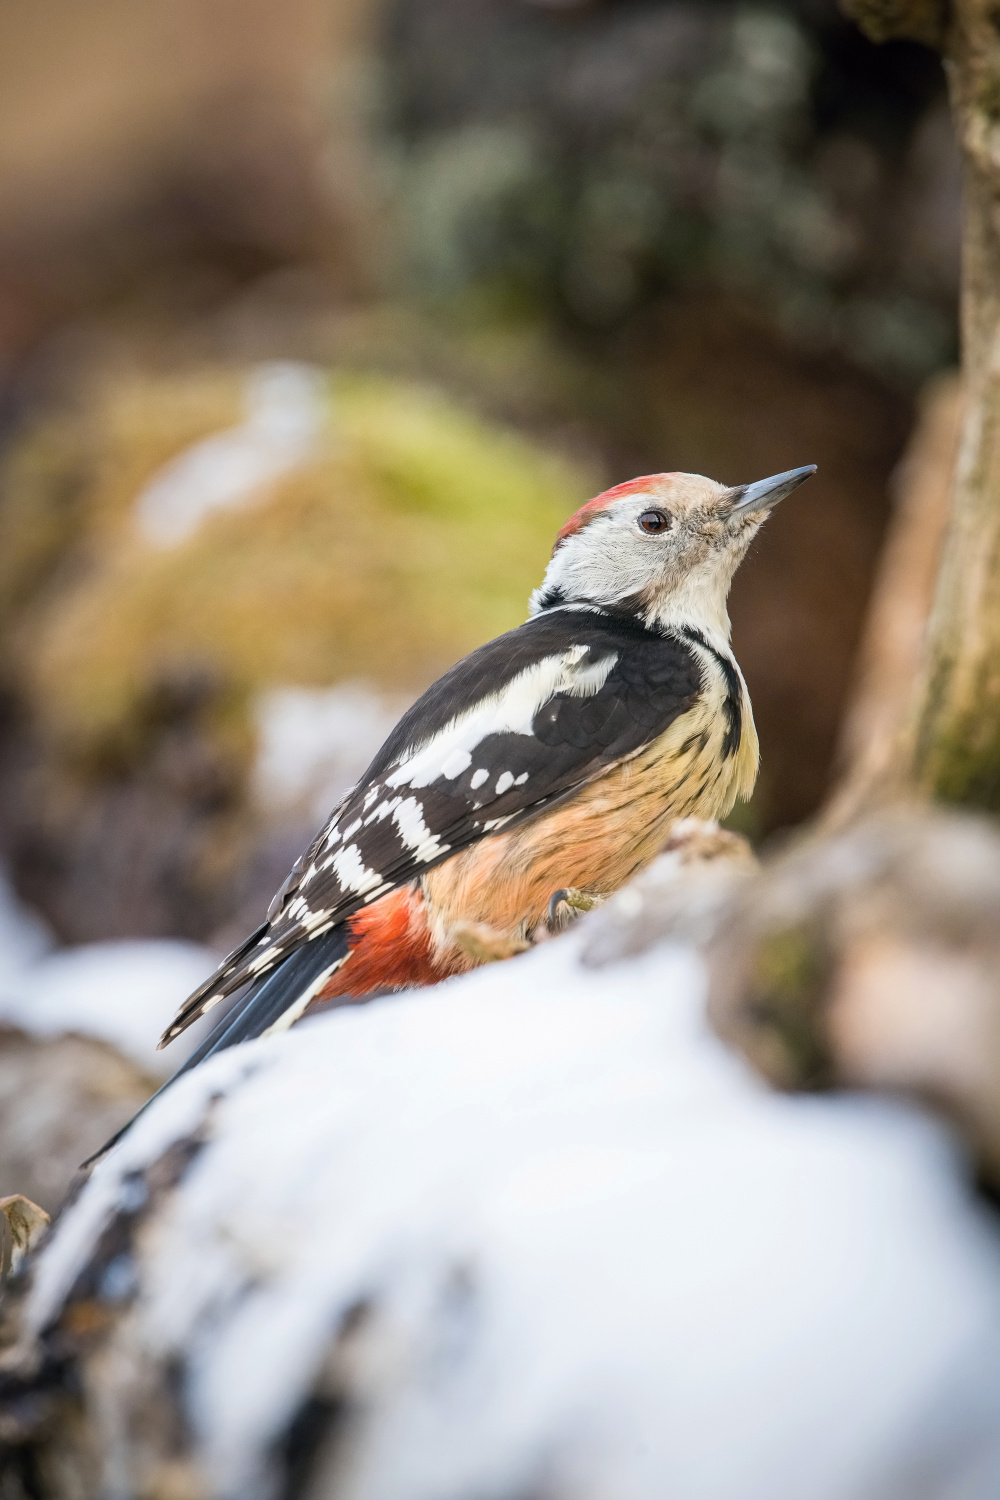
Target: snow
[[287, 409], [123, 992], [314, 743], [600, 1258], [24, 937]]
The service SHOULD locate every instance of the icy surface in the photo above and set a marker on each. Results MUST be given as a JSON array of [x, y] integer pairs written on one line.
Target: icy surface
[[314, 743], [286, 408], [600, 1260]]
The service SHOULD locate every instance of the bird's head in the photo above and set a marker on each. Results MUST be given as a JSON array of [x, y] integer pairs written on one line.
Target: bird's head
[[664, 547]]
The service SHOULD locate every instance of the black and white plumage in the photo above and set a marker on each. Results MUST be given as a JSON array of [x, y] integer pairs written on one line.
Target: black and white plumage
[[552, 704], [556, 755]]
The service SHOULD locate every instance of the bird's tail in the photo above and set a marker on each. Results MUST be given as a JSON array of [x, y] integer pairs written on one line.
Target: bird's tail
[[271, 1004]]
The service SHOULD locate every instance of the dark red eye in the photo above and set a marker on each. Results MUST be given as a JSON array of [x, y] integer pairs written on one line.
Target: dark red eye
[[654, 521]]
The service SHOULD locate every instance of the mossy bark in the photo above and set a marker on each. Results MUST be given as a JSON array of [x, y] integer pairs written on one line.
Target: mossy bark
[[954, 748], [957, 740], [877, 737]]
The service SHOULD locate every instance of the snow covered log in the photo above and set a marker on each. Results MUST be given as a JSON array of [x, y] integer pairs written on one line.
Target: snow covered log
[[871, 959], [534, 1233]]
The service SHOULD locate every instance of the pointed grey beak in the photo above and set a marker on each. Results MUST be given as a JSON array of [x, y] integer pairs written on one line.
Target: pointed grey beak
[[767, 493]]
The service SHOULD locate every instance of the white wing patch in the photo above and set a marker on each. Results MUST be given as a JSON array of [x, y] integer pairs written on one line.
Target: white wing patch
[[352, 872], [409, 819], [509, 711], [456, 764]]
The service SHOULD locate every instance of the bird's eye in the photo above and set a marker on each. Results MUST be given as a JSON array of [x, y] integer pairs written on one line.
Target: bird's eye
[[654, 521]]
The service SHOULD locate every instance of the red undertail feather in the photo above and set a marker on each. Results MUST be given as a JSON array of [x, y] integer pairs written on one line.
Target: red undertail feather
[[390, 949]]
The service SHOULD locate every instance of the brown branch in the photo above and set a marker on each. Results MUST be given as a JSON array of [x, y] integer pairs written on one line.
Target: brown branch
[[953, 752], [957, 743], [876, 750]]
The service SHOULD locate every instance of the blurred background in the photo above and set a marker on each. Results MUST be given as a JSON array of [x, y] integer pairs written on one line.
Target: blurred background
[[316, 319]]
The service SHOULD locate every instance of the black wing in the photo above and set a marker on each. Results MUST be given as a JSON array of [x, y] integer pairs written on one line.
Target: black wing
[[514, 727]]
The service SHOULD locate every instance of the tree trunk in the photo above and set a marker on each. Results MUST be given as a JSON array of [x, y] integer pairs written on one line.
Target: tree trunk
[[953, 752], [875, 754]]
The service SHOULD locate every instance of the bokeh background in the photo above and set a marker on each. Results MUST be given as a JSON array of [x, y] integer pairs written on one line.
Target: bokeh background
[[317, 318]]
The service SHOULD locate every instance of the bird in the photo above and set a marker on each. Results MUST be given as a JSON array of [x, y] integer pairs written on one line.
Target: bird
[[548, 765]]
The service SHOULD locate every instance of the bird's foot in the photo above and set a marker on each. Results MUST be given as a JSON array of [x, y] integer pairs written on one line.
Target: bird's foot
[[484, 944], [568, 904]]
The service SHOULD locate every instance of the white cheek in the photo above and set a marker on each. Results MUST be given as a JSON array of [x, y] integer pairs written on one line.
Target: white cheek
[[608, 565]]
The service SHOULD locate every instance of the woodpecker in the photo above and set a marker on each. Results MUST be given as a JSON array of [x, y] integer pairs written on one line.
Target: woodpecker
[[554, 758]]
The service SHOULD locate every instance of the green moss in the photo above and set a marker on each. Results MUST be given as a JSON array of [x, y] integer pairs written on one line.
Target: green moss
[[415, 532], [958, 756], [72, 475], [789, 978], [963, 765]]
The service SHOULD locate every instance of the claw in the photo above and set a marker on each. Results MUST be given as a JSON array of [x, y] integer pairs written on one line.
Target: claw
[[577, 901], [555, 901]]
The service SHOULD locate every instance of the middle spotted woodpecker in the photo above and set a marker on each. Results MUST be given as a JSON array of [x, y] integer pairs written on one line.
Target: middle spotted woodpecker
[[556, 756]]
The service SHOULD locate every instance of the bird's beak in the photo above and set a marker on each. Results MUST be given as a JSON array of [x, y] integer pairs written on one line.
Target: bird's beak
[[767, 493]]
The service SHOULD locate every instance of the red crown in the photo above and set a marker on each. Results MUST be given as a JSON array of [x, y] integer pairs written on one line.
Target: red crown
[[583, 517]]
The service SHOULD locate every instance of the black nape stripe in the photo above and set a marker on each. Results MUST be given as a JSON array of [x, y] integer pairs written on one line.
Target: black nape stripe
[[733, 705], [552, 597]]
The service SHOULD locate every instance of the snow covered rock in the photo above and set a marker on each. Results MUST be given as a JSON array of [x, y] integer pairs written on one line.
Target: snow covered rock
[[534, 1232], [285, 414]]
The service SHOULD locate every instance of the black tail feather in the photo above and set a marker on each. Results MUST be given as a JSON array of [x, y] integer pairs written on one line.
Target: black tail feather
[[289, 987]]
